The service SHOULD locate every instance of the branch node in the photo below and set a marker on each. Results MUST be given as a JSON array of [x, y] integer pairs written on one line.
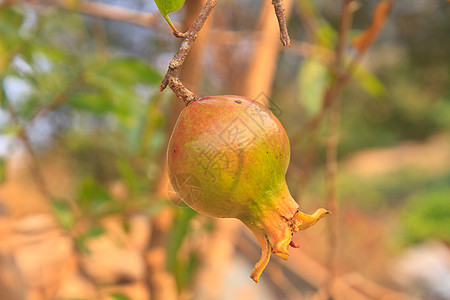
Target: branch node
[[181, 91], [180, 34], [189, 36]]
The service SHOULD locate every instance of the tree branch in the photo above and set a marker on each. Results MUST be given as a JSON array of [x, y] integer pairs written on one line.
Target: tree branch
[[191, 35], [331, 188], [35, 169], [281, 17], [332, 144], [181, 91], [105, 11]]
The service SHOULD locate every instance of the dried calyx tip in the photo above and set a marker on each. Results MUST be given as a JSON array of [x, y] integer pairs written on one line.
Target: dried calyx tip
[[300, 221], [303, 221]]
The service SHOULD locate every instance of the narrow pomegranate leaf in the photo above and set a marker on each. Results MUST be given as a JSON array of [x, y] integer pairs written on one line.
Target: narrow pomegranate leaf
[[369, 82], [168, 6], [367, 37], [312, 80]]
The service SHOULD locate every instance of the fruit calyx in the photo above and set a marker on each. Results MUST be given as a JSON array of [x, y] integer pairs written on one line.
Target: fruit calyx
[[275, 229]]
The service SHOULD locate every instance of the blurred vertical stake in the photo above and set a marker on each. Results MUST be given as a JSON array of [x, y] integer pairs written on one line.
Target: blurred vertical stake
[[262, 66]]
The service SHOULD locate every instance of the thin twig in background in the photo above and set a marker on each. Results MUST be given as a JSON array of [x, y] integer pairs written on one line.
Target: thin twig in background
[[35, 168], [100, 39], [101, 10], [331, 149], [331, 188], [58, 100]]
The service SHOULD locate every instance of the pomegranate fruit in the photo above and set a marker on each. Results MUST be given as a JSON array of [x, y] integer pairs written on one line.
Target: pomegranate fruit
[[227, 158]]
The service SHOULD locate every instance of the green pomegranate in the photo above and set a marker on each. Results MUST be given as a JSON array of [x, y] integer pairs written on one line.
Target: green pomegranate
[[227, 158]]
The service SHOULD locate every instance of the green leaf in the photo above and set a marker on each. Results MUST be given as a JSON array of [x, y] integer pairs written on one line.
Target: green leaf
[[2, 170], [10, 129], [313, 78], [326, 35], [80, 243], [129, 71], [63, 213], [128, 175], [427, 216], [93, 101], [183, 217], [95, 231], [181, 269], [369, 82], [185, 271], [118, 296], [168, 6], [10, 21], [180, 229], [93, 195], [113, 89], [123, 101]]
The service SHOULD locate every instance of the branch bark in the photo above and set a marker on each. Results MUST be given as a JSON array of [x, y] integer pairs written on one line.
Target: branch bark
[[281, 17], [172, 73]]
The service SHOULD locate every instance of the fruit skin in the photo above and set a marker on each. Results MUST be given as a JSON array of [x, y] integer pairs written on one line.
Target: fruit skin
[[227, 157]]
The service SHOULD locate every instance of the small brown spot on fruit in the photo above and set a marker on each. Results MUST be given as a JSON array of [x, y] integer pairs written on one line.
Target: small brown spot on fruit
[[238, 101]]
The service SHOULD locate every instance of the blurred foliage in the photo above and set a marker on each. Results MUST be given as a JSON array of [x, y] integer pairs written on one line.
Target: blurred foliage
[[103, 108], [427, 216], [183, 267], [105, 111], [2, 170], [386, 192], [402, 90], [118, 296]]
